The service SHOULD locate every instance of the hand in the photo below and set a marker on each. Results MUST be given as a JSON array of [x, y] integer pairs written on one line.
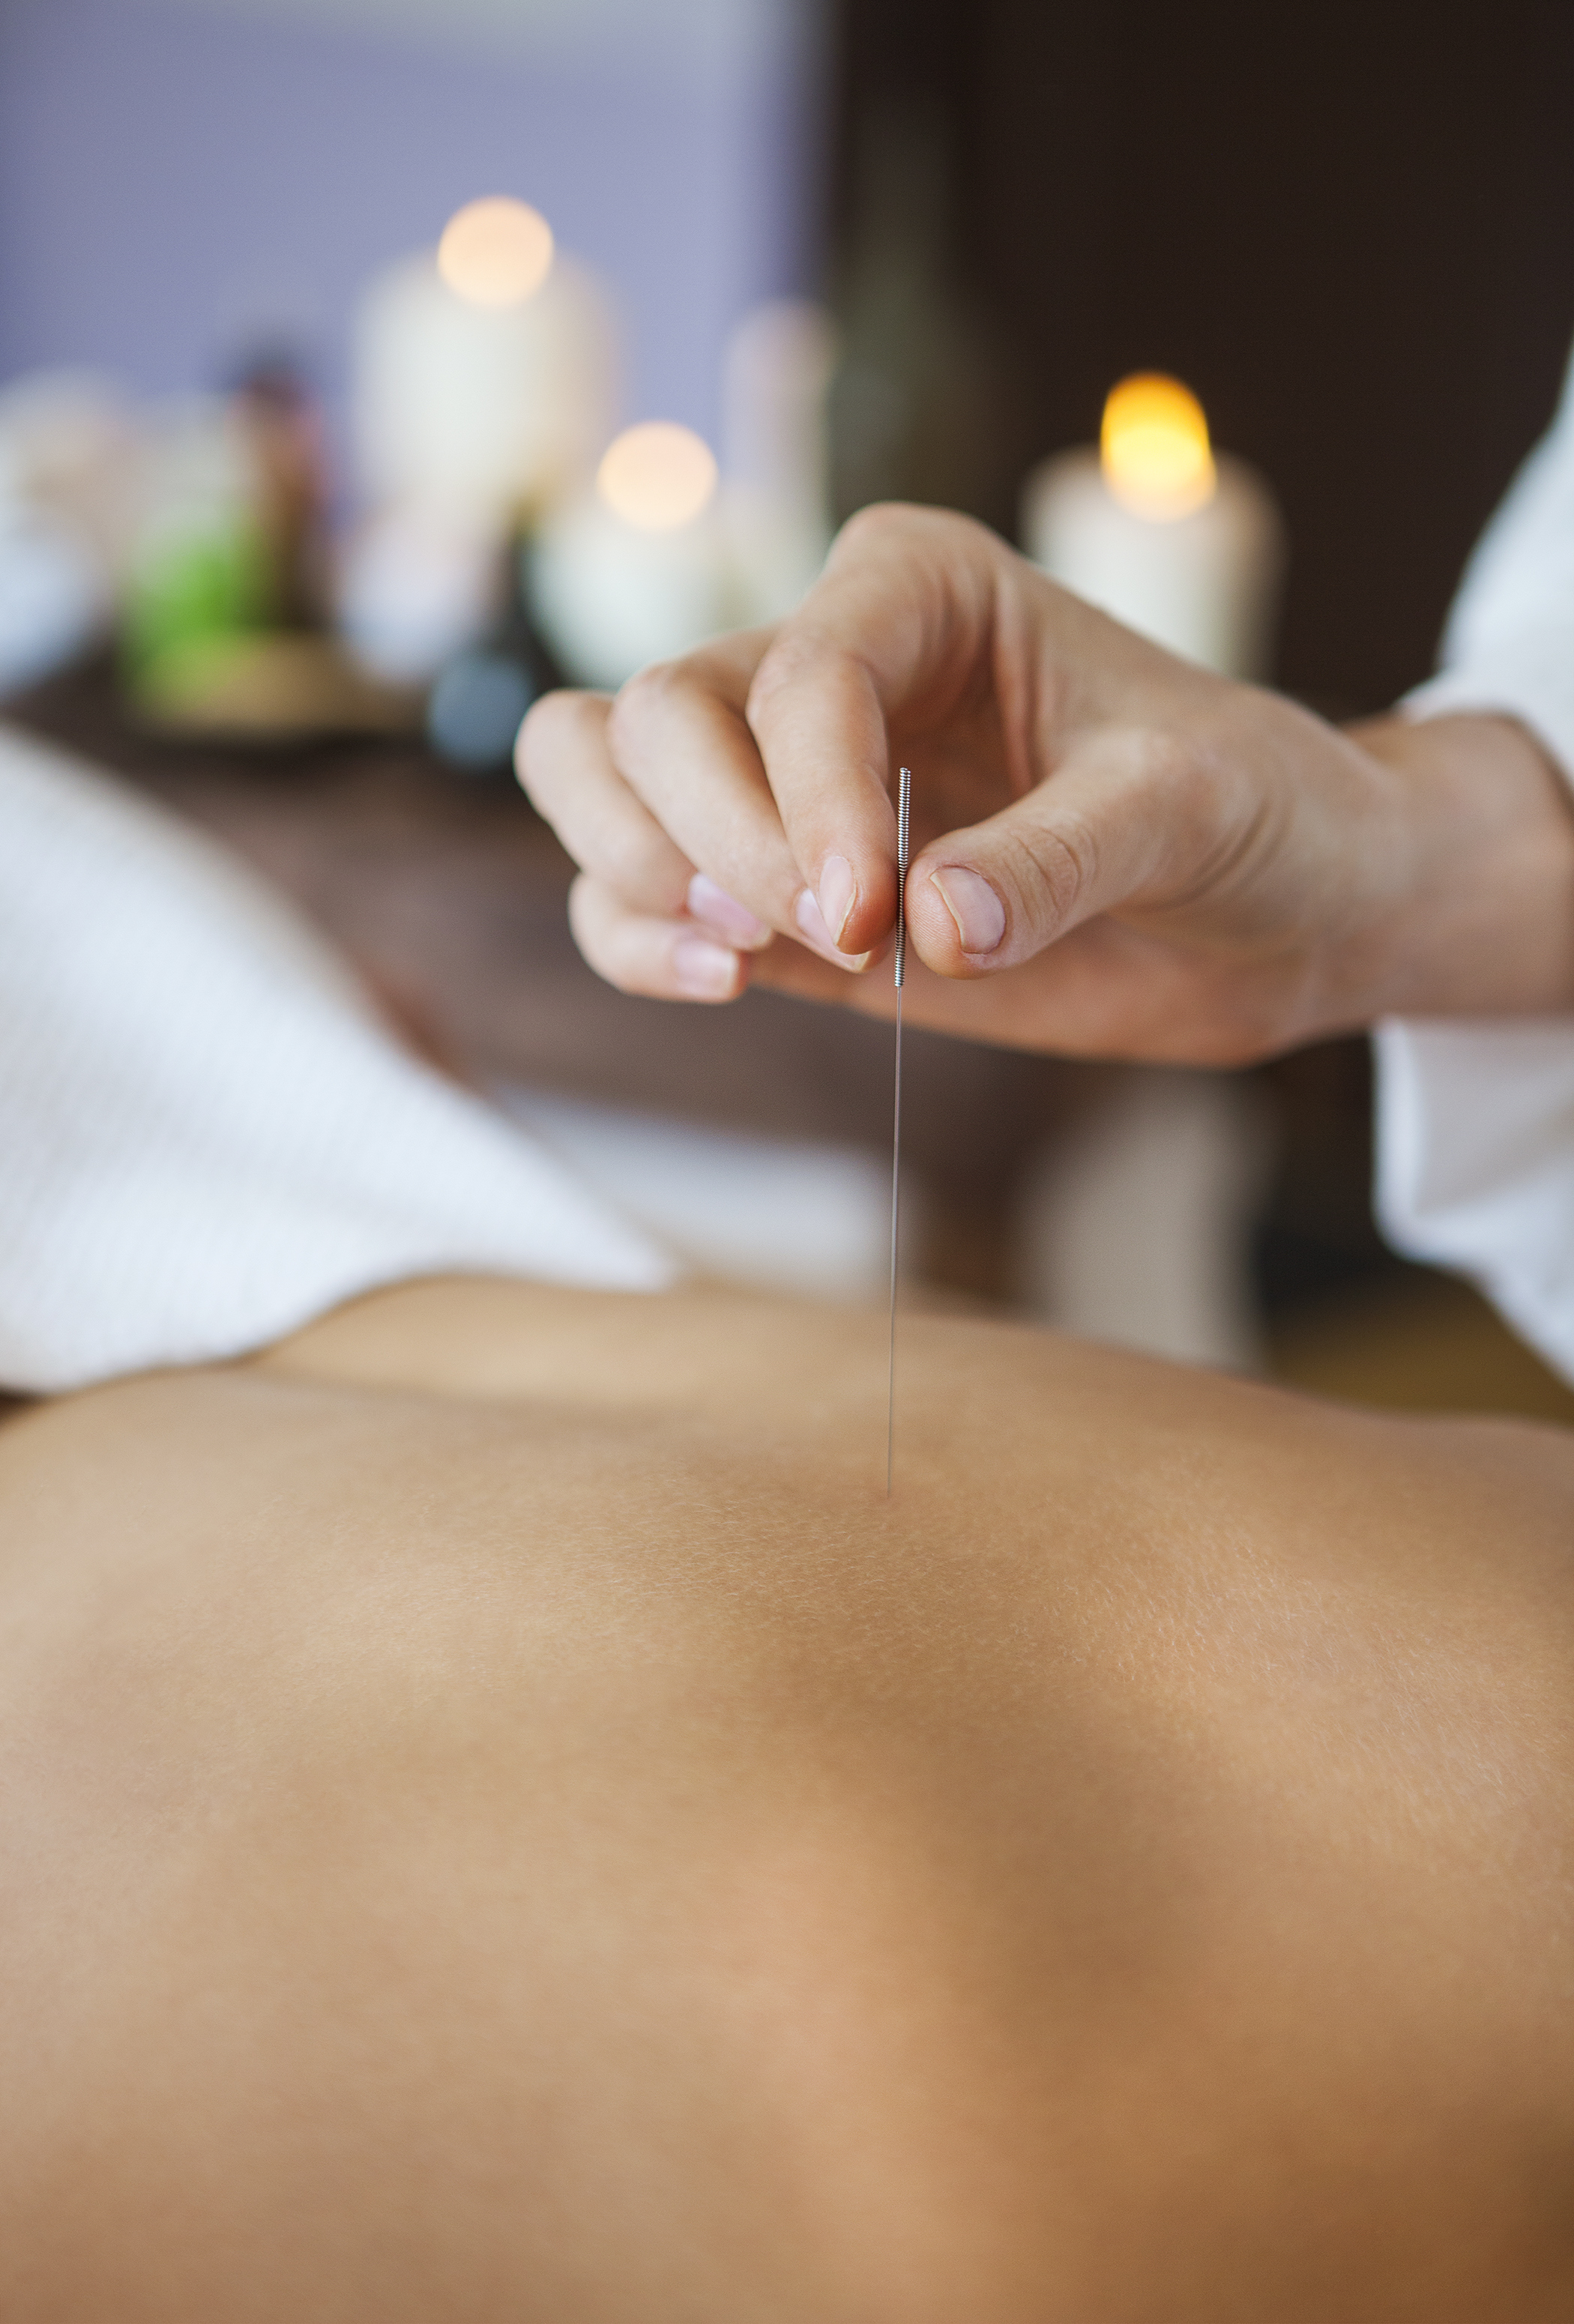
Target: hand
[[1115, 852]]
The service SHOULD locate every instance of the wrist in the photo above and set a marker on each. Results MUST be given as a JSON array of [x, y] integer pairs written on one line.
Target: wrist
[[1480, 846]]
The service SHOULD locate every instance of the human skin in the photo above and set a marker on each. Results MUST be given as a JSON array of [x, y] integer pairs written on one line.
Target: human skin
[[1116, 853], [503, 1818]]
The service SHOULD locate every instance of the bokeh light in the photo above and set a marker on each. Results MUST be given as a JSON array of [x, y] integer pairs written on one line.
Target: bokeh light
[[657, 475], [1154, 448], [497, 251]]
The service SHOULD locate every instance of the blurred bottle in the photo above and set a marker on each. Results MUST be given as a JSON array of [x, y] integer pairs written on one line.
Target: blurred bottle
[[482, 693], [282, 421], [200, 575]]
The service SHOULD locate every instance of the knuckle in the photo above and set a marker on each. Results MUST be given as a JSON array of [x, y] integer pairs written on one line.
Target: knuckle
[[537, 741], [643, 707], [557, 728], [642, 866], [884, 524], [593, 918], [1055, 865], [869, 527], [796, 656], [567, 716], [584, 911], [1160, 760], [1206, 826], [784, 663]]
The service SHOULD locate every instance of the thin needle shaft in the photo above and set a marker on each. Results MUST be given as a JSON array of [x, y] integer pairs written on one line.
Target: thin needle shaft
[[904, 810]]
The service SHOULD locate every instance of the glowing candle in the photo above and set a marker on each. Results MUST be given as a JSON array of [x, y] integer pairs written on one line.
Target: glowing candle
[[495, 253], [657, 477], [485, 376], [638, 571], [485, 381], [1155, 527]]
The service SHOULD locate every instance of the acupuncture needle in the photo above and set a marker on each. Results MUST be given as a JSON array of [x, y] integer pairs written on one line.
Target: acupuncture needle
[[903, 812]]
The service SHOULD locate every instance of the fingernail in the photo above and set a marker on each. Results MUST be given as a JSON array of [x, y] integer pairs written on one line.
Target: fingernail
[[811, 928], [973, 904], [837, 893], [723, 912], [705, 971]]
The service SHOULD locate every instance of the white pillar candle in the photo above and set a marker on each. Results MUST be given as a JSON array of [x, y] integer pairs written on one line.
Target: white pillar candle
[[480, 407], [1151, 527], [640, 569]]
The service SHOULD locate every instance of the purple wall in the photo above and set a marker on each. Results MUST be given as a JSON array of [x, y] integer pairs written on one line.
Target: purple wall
[[177, 182]]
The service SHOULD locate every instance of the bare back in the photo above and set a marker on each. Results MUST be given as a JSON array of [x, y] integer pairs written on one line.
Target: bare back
[[505, 1821]]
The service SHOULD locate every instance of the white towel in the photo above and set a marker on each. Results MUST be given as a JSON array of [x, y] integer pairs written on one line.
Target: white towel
[[206, 1135]]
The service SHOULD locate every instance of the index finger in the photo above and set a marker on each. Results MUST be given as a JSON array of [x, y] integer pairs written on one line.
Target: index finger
[[895, 628], [678, 740]]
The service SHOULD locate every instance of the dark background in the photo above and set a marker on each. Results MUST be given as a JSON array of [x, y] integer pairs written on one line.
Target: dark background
[[1349, 229]]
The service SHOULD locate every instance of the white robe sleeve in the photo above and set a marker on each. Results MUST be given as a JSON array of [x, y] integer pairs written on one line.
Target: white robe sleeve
[[1476, 1120]]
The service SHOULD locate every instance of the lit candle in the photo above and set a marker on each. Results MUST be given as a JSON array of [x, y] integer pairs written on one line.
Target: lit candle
[[485, 376], [1155, 527], [639, 570], [485, 380]]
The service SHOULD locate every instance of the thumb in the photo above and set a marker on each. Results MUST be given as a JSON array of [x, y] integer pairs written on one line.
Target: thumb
[[1126, 818]]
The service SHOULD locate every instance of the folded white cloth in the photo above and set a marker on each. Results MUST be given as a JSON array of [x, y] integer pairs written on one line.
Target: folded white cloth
[[207, 1136]]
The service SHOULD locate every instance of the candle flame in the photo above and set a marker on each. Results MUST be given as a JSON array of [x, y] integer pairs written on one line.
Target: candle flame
[[657, 475], [1154, 450], [495, 253]]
